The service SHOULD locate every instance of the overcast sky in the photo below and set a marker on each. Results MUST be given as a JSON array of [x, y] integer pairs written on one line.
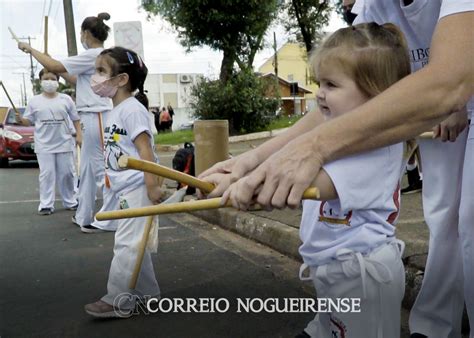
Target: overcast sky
[[163, 53]]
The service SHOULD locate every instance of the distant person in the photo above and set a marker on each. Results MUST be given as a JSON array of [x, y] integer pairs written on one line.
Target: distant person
[[156, 115], [51, 113], [92, 110], [165, 119], [171, 112]]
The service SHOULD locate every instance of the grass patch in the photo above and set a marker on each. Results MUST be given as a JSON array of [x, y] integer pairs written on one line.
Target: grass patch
[[283, 122], [175, 137], [181, 136]]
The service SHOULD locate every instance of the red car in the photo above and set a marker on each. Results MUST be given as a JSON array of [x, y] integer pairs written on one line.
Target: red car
[[16, 141]]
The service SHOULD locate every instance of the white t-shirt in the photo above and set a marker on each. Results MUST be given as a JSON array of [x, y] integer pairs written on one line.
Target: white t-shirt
[[52, 118], [364, 215], [124, 123], [417, 20], [83, 65]]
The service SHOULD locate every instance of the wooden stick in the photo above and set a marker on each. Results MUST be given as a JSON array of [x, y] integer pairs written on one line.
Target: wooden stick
[[426, 135], [196, 205], [14, 35], [141, 252], [154, 168], [9, 99]]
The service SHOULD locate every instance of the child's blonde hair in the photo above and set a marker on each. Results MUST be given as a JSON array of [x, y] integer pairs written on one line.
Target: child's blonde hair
[[374, 56]]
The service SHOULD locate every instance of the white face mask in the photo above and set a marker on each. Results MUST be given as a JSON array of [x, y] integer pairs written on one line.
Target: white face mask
[[84, 45], [49, 86]]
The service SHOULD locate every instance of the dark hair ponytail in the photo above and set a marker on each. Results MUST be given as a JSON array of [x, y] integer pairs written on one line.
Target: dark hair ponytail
[[96, 26], [124, 60]]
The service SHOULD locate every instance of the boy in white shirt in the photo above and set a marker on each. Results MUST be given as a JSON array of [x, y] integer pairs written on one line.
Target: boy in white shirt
[[51, 113]]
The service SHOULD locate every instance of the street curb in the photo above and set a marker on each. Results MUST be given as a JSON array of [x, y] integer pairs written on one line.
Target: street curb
[[232, 139]]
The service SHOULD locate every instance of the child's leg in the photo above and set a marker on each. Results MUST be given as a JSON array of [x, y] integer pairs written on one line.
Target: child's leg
[[127, 237], [46, 180], [110, 202], [65, 178], [378, 279]]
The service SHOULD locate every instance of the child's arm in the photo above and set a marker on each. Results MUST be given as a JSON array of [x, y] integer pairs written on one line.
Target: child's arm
[[326, 188], [142, 143], [77, 125], [22, 120]]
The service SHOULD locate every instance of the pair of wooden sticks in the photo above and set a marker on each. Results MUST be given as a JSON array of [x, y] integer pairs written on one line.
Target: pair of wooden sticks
[[160, 209]]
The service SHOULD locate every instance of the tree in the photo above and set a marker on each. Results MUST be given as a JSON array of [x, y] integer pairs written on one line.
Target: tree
[[234, 27], [241, 101], [307, 19]]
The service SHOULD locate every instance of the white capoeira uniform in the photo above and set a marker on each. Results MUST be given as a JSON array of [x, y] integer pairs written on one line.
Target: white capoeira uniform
[[126, 121], [93, 111], [350, 247], [53, 146], [437, 311]]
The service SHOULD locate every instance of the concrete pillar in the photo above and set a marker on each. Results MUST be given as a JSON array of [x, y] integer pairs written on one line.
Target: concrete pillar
[[211, 138]]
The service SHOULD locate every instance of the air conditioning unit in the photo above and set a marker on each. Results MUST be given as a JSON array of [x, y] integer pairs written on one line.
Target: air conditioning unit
[[185, 78]]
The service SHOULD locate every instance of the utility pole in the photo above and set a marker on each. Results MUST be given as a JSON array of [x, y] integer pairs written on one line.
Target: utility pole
[[32, 69], [24, 99], [70, 32], [275, 59]]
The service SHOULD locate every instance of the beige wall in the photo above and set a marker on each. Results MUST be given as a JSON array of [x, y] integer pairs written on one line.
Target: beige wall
[[292, 66]]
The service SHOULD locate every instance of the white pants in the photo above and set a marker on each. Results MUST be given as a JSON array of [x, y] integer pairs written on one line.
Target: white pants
[[127, 238], [466, 226], [56, 168], [437, 311], [92, 172], [378, 279]]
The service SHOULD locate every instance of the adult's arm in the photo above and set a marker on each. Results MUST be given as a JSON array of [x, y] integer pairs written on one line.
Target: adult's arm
[[47, 61], [72, 79], [411, 106]]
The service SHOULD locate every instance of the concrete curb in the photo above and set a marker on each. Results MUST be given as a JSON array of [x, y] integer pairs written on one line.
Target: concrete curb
[[232, 139]]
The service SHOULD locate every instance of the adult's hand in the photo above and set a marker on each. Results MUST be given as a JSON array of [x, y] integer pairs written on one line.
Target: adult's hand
[[224, 173], [449, 129], [281, 180]]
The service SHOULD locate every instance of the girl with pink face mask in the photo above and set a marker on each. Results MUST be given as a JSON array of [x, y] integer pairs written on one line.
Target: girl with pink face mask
[[119, 74], [93, 111]]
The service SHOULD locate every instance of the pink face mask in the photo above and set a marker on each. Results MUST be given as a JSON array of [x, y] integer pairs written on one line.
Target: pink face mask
[[100, 86]]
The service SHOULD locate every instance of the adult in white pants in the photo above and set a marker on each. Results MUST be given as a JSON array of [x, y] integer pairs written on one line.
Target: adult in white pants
[[79, 69], [440, 302]]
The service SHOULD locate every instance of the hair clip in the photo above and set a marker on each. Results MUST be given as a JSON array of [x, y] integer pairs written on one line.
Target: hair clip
[[130, 57]]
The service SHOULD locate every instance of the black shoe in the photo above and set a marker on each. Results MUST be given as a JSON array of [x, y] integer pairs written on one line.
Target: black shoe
[[45, 211], [412, 188], [73, 208], [418, 335], [303, 334]]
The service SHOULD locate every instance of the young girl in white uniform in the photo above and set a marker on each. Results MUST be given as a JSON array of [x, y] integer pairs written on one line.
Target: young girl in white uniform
[[92, 110], [348, 237], [448, 188], [52, 113], [119, 73]]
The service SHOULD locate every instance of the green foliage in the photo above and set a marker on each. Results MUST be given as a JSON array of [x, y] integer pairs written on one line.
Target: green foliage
[[175, 137], [306, 19], [235, 27], [241, 101]]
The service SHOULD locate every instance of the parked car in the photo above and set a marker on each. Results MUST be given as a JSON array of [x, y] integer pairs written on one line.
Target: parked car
[[16, 141]]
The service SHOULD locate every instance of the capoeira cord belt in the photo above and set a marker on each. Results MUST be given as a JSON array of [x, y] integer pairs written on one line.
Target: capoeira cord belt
[[154, 168]]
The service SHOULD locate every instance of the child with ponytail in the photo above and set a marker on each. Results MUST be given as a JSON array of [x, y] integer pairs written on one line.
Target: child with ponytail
[[119, 73]]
